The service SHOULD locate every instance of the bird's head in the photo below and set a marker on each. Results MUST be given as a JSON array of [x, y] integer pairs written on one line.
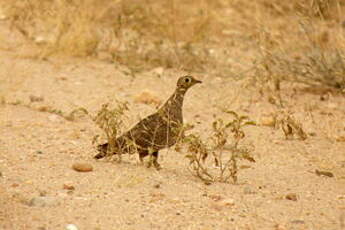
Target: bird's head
[[186, 82]]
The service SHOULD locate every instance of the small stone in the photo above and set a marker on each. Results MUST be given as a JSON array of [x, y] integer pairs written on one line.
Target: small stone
[[297, 222], [14, 185], [268, 121], [340, 138], [43, 192], [68, 186], [229, 202], [279, 227], [34, 98], [40, 39], [341, 197], [42, 201], [215, 197], [71, 227], [291, 196], [39, 152], [157, 186], [147, 98], [323, 173], [82, 167]]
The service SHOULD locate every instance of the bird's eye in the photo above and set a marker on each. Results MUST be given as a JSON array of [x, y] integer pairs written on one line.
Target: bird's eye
[[187, 80]]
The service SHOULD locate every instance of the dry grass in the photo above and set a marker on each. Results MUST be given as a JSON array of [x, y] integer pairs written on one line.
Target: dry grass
[[140, 35], [311, 51], [297, 40]]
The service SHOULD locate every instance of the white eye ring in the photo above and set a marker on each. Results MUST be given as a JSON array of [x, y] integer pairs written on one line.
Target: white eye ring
[[187, 80]]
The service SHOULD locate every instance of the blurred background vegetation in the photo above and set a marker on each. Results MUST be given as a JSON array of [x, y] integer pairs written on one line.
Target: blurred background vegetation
[[269, 40]]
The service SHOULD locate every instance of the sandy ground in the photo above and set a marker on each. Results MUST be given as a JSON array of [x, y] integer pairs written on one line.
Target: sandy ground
[[38, 149]]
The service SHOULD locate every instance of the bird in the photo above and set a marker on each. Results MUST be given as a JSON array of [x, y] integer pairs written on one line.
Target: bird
[[157, 131]]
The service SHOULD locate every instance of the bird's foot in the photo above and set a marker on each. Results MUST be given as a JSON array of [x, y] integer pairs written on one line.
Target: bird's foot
[[157, 165], [149, 164]]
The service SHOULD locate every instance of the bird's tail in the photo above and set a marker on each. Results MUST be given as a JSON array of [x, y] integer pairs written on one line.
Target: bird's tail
[[102, 149]]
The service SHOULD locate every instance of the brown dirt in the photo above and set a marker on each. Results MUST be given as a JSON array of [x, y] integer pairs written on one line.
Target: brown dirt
[[38, 148]]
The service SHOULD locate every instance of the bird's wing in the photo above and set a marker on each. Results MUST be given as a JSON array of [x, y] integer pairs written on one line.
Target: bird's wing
[[146, 133]]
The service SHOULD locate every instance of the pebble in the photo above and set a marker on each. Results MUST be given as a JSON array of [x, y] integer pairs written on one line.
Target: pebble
[[34, 98], [40, 39], [39, 152], [291, 196], [340, 138], [268, 121], [341, 197], [42, 201], [297, 222], [323, 173], [68, 186], [215, 197], [82, 167], [229, 202], [71, 227]]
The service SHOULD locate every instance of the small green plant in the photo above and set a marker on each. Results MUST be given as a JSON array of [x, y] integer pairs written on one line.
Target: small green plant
[[225, 148], [110, 121]]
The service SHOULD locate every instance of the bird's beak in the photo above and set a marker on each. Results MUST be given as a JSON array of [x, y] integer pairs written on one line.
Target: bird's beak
[[198, 81]]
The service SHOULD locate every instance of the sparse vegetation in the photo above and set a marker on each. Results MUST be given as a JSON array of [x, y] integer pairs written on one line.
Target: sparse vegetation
[[292, 50], [111, 121], [315, 56], [226, 149], [188, 35], [139, 35]]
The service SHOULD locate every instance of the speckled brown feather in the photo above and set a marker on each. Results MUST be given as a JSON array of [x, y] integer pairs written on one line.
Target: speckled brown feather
[[155, 132]]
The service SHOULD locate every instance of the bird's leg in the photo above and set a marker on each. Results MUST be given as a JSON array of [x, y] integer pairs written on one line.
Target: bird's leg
[[151, 157], [155, 160], [119, 157], [142, 154]]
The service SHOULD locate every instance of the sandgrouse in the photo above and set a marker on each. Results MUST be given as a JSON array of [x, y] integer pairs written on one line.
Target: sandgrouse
[[155, 132]]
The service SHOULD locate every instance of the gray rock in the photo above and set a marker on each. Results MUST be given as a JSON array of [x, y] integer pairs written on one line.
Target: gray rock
[[43, 201]]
